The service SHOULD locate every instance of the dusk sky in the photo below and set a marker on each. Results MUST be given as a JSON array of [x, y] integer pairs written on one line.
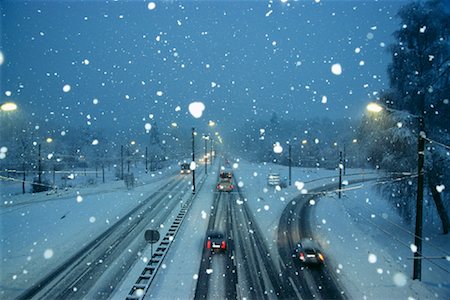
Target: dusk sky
[[243, 60]]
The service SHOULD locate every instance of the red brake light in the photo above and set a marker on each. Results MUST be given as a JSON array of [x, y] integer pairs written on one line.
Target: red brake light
[[208, 244], [223, 246], [302, 256]]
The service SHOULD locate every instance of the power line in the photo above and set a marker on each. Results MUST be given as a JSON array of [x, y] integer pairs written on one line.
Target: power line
[[436, 142]]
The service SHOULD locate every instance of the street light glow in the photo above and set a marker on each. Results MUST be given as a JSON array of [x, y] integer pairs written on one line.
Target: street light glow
[[8, 106], [374, 107], [49, 140], [211, 123]]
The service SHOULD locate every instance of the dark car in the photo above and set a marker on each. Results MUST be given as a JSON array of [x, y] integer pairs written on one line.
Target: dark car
[[216, 241], [185, 168], [225, 186], [308, 252]]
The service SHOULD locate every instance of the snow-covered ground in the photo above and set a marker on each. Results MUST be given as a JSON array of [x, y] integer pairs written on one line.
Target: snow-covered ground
[[370, 247], [39, 231], [359, 232]]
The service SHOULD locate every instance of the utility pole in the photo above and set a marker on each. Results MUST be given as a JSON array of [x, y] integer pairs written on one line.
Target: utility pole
[[128, 161], [193, 160], [345, 160], [39, 165], [121, 162], [103, 173], [211, 149], [417, 270], [340, 173], [206, 155], [24, 178], [290, 165], [146, 159]]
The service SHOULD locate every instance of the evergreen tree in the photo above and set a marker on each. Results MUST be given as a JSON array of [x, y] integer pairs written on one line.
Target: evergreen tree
[[419, 84]]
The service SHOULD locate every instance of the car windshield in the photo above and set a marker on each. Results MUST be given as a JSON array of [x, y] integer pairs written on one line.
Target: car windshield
[[215, 235], [129, 130]]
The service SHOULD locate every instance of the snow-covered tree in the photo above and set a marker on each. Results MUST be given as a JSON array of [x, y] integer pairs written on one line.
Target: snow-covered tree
[[419, 85]]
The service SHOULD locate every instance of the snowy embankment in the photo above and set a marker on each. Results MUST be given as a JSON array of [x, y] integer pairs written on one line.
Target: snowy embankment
[[364, 240], [39, 231], [370, 247]]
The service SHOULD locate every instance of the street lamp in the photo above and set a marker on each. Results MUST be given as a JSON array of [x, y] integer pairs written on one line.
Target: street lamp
[[417, 270], [8, 106]]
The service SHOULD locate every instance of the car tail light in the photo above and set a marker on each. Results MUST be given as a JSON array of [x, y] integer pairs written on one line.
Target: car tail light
[[302, 256], [321, 256], [208, 245], [231, 186], [224, 245]]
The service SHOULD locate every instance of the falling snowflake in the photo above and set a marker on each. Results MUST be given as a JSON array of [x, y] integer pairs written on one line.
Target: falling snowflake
[[66, 88], [196, 109], [372, 258], [336, 69], [400, 279], [277, 148], [440, 188], [48, 253], [151, 5], [299, 185]]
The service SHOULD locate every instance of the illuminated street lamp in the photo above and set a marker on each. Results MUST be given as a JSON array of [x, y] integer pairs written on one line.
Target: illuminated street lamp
[[8, 106], [374, 107], [417, 270]]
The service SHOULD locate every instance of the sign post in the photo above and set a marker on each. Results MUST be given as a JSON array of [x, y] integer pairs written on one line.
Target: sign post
[[151, 236]]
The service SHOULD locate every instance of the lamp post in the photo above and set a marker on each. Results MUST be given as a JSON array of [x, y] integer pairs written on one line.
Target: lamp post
[[205, 137], [193, 160], [290, 164], [417, 267]]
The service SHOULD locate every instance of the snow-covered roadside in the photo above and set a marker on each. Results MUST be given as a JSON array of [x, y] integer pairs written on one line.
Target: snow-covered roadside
[[39, 235], [369, 246]]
